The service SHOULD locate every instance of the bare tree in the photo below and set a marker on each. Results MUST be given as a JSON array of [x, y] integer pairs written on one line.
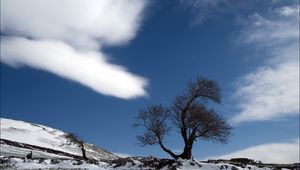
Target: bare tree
[[189, 114], [73, 138]]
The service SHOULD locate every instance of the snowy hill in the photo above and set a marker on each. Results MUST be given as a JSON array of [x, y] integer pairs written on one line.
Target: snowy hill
[[53, 149], [18, 138]]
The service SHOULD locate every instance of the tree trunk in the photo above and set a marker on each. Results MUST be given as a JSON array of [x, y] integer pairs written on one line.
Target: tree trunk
[[83, 151], [167, 150], [187, 152]]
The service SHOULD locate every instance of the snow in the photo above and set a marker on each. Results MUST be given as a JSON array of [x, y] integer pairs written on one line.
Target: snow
[[66, 164], [33, 134], [7, 150], [193, 164], [43, 136], [73, 164]]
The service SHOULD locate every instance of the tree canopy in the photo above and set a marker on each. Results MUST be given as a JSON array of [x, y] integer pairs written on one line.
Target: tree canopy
[[189, 114]]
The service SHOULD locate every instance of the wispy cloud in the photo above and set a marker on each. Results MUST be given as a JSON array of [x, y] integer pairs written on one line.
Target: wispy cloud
[[66, 37], [272, 90], [268, 153], [204, 10]]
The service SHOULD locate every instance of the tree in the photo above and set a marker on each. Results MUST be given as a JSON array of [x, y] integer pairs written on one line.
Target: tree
[[189, 114], [73, 138]]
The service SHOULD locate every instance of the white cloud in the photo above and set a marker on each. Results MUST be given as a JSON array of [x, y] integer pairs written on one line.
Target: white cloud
[[272, 90], [107, 21], [87, 68], [65, 38], [267, 153]]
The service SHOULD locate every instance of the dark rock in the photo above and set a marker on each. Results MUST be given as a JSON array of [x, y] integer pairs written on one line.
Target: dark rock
[[242, 160], [92, 161], [40, 160], [29, 155], [55, 161], [78, 162]]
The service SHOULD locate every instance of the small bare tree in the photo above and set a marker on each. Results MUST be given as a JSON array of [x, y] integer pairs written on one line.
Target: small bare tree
[[189, 114], [73, 138]]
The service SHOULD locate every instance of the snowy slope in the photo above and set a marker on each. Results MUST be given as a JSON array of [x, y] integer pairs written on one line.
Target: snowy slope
[[42, 136]]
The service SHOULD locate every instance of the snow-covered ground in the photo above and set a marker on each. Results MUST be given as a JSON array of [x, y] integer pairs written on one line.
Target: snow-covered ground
[[192, 165], [17, 163], [43, 136]]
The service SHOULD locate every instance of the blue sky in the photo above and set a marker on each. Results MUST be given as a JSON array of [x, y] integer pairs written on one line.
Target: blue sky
[[88, 68]]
